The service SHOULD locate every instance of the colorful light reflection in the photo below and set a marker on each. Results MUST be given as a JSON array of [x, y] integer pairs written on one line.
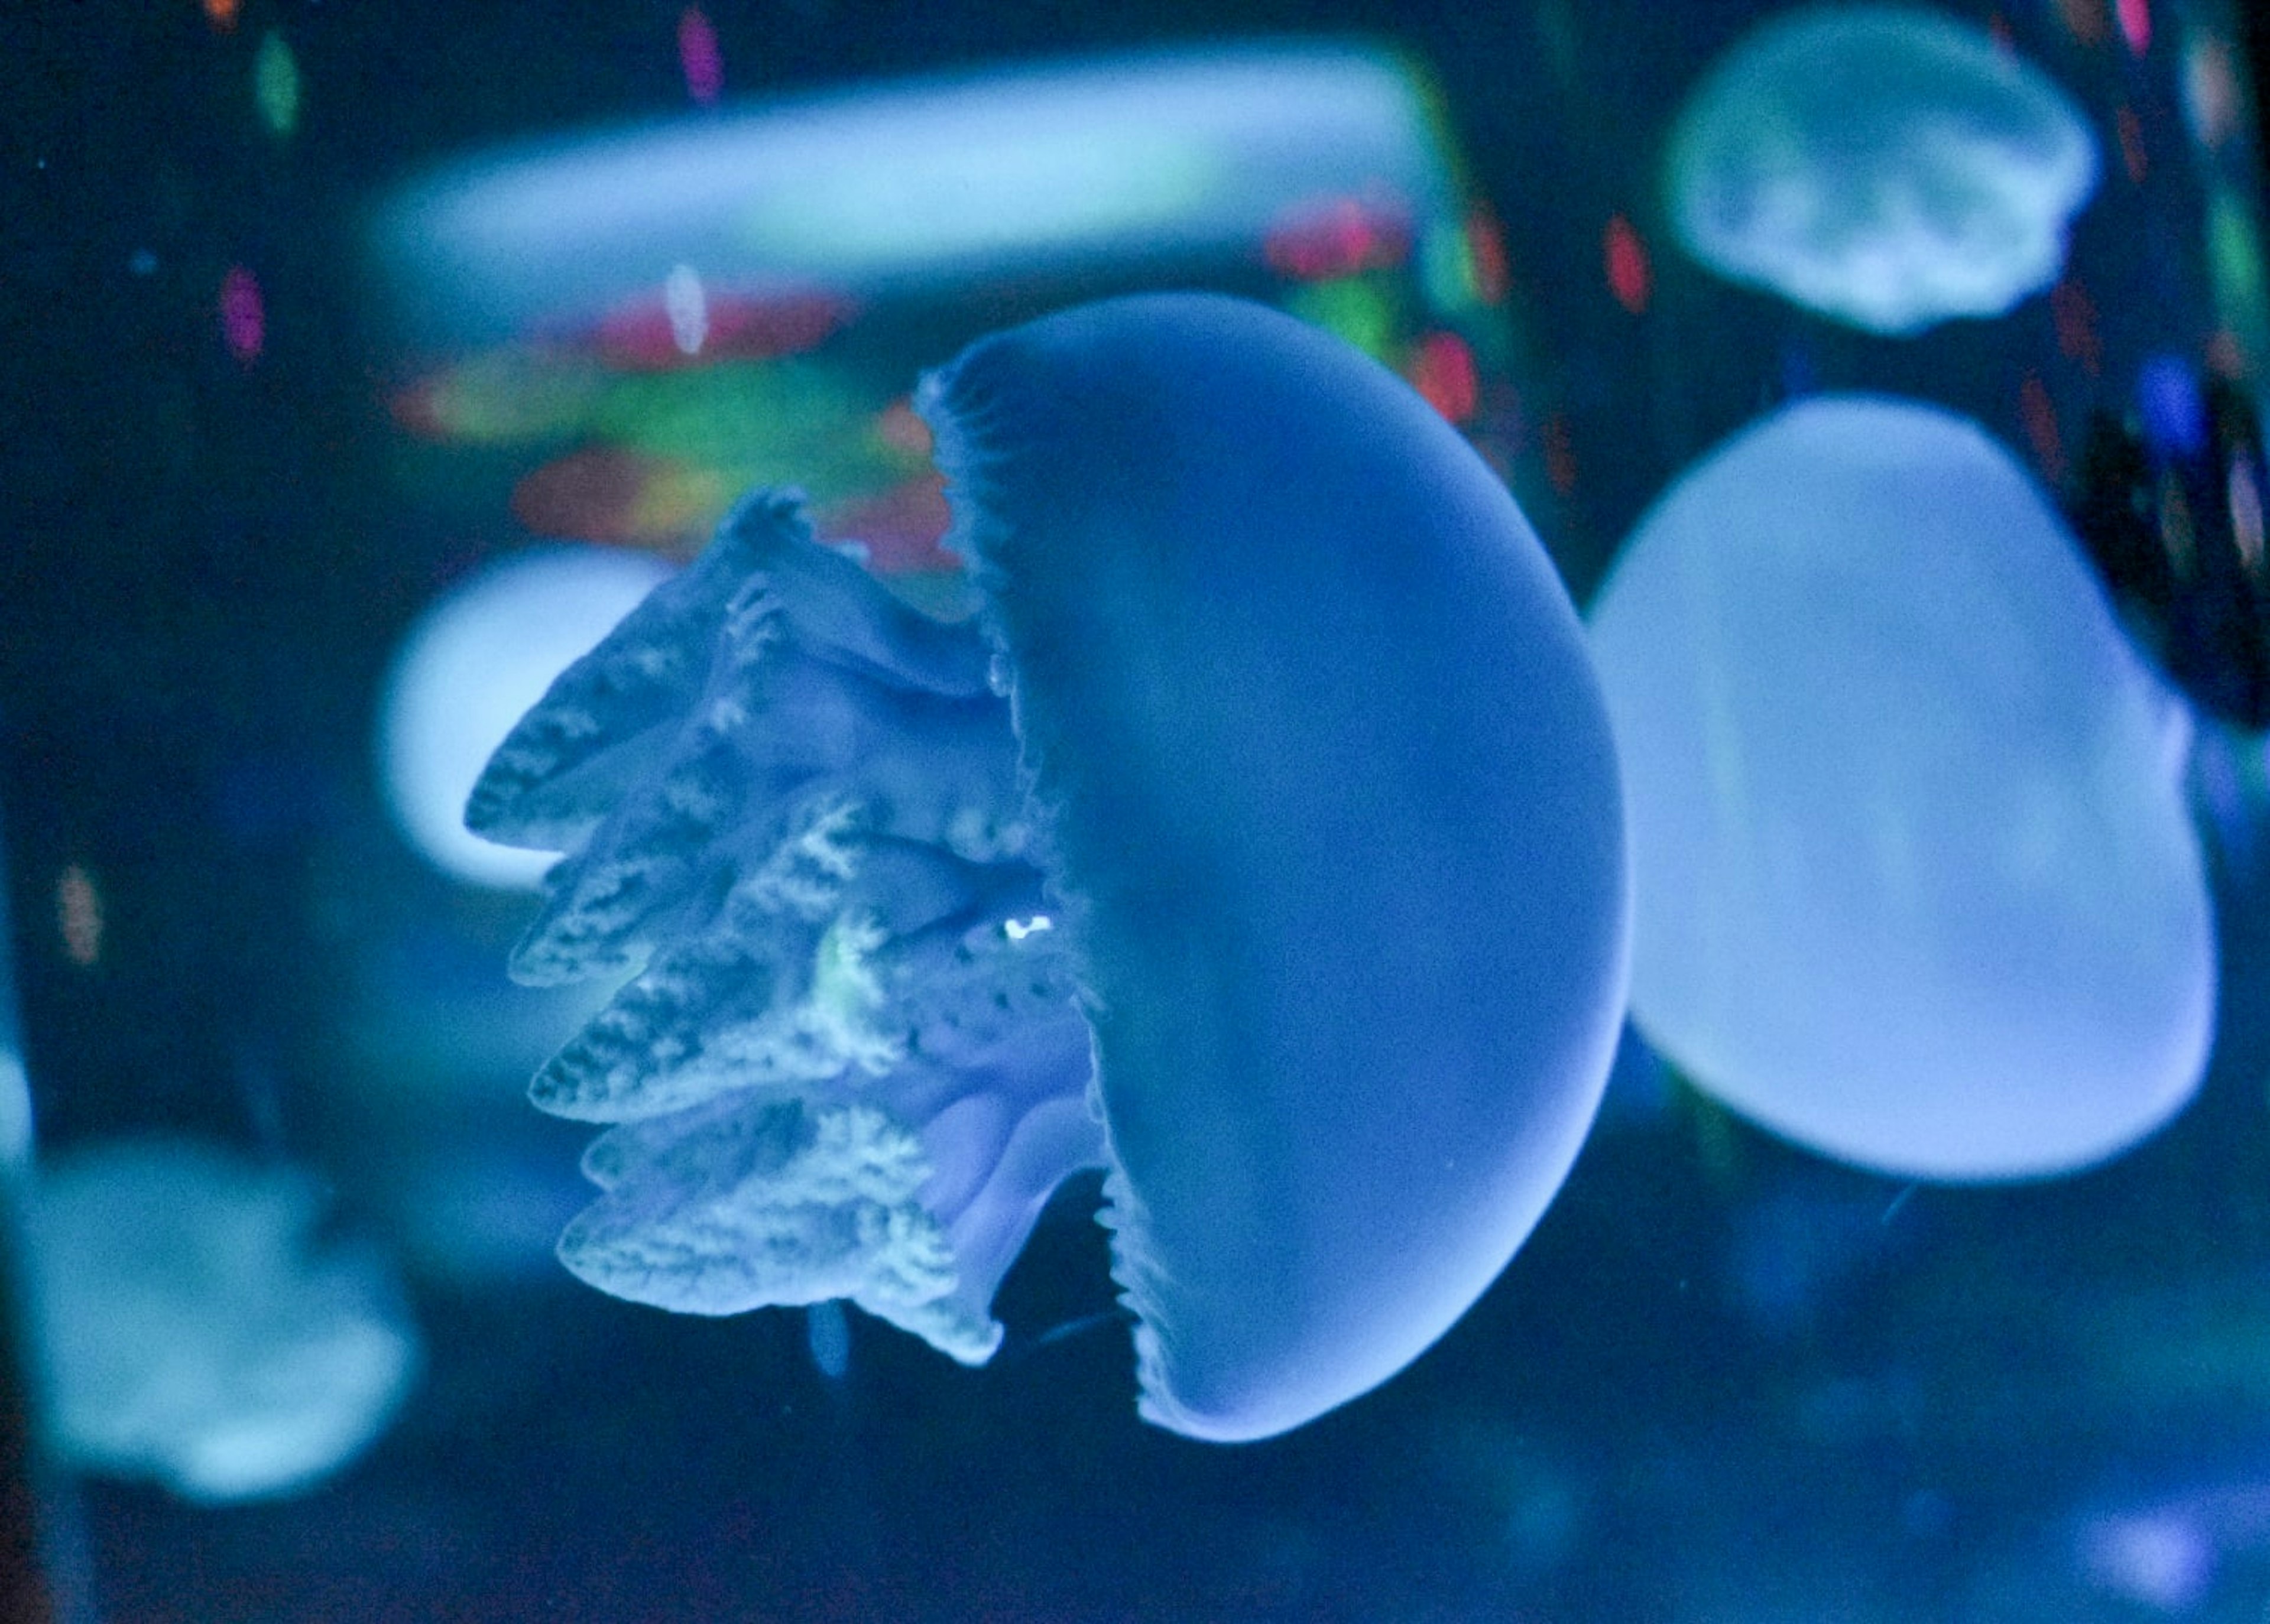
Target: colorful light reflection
[[652, 324]]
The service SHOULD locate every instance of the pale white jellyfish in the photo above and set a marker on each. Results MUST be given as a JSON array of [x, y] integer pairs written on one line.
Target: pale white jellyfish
[[1888, 166], [192, 1326], [1915, 882]]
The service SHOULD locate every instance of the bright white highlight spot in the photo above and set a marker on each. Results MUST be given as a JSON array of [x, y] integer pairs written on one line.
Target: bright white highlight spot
[[1018, 929], [193, 1329], [1886, 165], [687, 307], [471, 666]]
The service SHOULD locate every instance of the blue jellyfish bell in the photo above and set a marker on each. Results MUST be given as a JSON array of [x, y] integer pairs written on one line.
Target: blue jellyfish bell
[[1260, 843]]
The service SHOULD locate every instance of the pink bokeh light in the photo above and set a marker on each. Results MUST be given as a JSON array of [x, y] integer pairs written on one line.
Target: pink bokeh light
[[243, 315], [698, 56]]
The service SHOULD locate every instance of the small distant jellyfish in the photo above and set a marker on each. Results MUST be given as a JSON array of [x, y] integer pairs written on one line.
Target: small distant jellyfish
[[1259, 844], [193, 1328], [1886, 165], [1916, 883]]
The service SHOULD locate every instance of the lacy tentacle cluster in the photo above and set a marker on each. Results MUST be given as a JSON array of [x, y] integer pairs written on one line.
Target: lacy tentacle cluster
[[849, 1062]]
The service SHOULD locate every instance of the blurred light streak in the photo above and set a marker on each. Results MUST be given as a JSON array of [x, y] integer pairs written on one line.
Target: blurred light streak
[[221, 13], [501, 398], [243, 315], [1485, 243], [2246, 516], [2129, 129], [1335, 239], [2039, 418], [2136, 25], [644, 334], [2074, 314], [1443, 370], [79, 916], [2213, 104], [688, 311], [917, 188], [698, 56], [1629, 277], [2235, 265], [608, 493], [275, 85]]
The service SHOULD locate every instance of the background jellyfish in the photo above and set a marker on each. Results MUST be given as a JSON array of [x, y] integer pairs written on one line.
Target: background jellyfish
[[1275, 868], [1886, 165], [475, 660], [1915, 882], [192, 1327]]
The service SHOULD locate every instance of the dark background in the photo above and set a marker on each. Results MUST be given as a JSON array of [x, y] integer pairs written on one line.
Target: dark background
[[1724, 1381]]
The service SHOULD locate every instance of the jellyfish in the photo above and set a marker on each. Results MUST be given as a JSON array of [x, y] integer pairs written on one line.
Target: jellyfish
[[475, 660], [1259, 843], [1884, 164], [1916, 885], [192, 1329]]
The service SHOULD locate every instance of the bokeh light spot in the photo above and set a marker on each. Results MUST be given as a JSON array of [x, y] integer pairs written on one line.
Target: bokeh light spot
[[78, 915], [1630, 278], [275, 85], [243, 315]]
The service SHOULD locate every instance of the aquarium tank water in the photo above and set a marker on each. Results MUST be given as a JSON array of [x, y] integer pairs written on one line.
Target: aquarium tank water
[[1217, 812]]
